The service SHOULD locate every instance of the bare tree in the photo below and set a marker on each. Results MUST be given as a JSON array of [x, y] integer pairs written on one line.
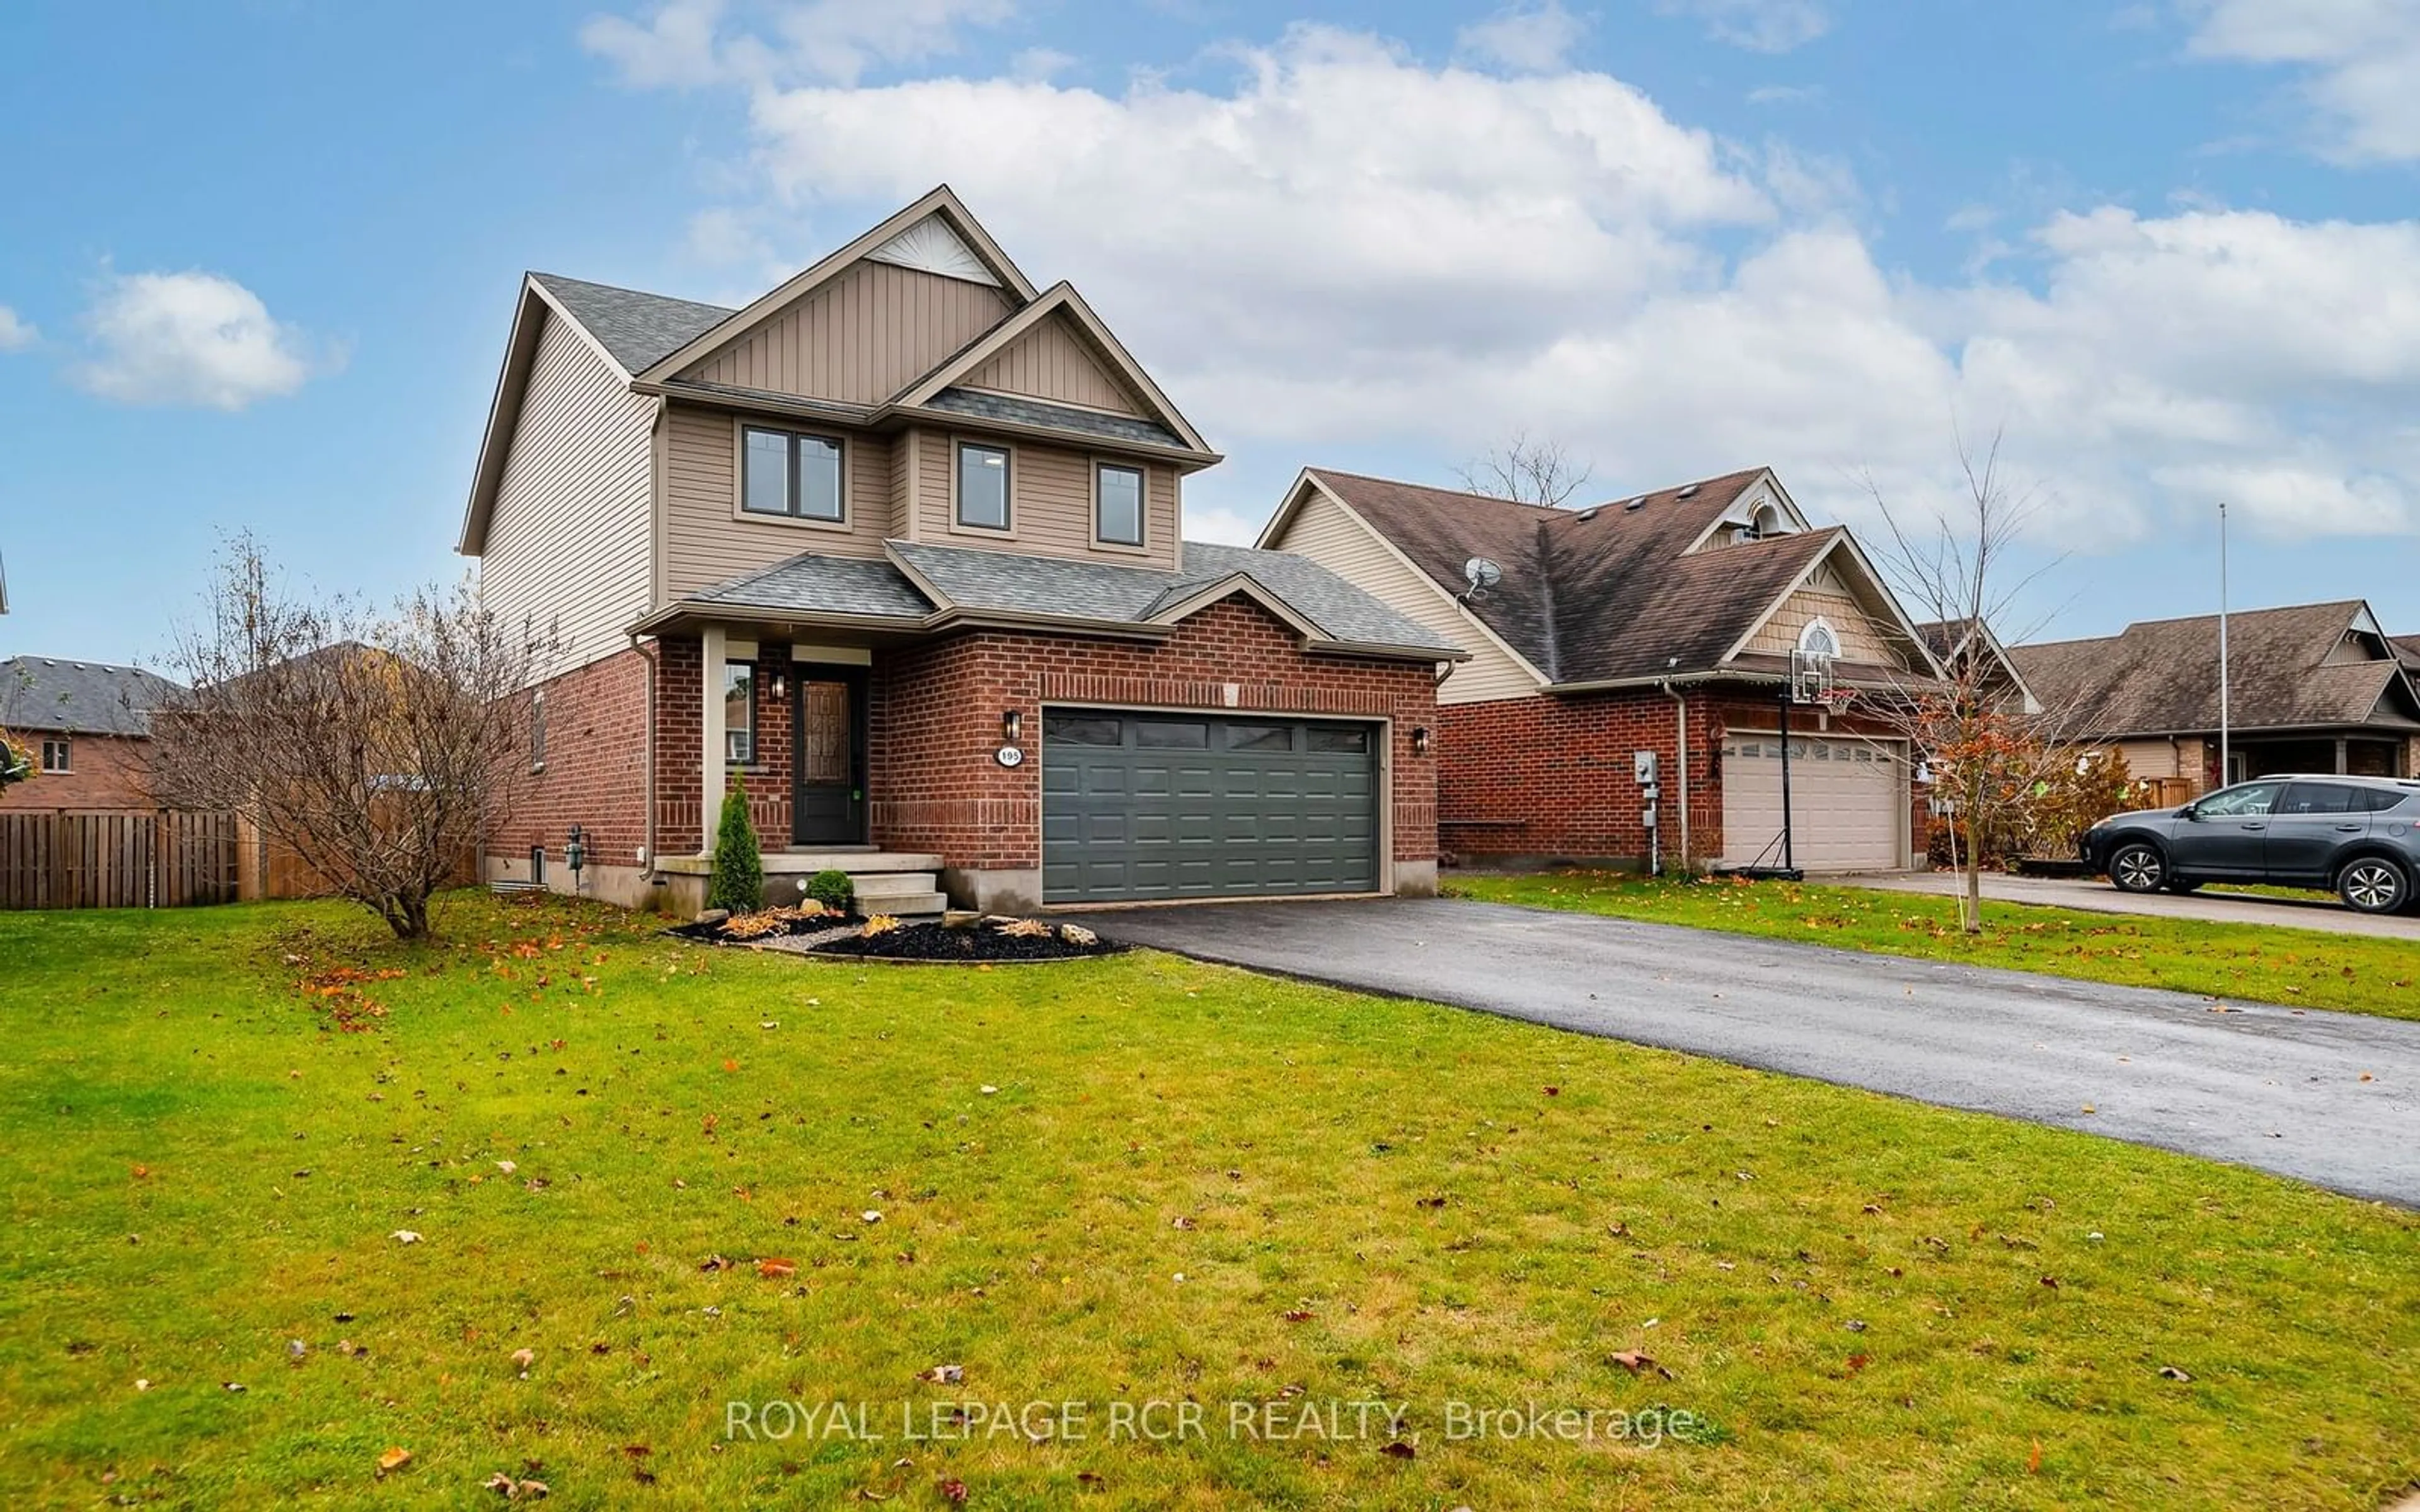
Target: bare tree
[[376, 748], [1991, 750], [1526, 471]]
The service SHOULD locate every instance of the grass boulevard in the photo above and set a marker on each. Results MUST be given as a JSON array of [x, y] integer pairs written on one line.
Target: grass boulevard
[[302, 1217]]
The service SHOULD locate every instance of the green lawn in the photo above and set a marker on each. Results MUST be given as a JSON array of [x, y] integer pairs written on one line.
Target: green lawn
[[216, 1118], [2304, 968]]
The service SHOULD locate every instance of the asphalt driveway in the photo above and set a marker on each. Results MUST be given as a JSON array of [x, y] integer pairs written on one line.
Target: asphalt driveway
[[2279, 1088], [2312, 911]]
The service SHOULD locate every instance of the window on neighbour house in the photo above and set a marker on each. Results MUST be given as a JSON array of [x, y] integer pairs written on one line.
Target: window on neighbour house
[[982, 486], [786, 472], [55, 755], [1117, 505], [739, 711]]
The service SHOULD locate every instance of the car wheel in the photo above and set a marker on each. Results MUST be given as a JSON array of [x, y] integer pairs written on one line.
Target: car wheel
[[2136, 867], [2373, 885]]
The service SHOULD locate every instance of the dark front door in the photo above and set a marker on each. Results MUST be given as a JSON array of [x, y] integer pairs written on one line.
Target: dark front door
[[828, 774]]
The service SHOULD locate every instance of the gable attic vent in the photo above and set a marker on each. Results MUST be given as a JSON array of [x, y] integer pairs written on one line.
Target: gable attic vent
[[930, 246]]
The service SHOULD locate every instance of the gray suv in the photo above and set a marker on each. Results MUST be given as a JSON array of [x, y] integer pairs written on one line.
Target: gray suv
[[2357, 836]]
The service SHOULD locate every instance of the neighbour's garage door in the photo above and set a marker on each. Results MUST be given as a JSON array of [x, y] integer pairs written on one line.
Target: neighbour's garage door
[[1849, 798], [1192, 805]]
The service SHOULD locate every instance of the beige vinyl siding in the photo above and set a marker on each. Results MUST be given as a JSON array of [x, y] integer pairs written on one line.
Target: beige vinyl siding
[[902, 498], [706, 540], [1861, 638], [861, 338], [2164, 758], [1337, 539], [568, 541], [1053, 361], [1050, 503]]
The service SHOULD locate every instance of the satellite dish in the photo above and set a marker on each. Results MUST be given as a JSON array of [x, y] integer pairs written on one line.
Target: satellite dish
[[1483, 573]]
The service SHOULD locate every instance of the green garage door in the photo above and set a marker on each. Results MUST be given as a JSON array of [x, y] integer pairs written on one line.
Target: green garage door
[[1195, 805]]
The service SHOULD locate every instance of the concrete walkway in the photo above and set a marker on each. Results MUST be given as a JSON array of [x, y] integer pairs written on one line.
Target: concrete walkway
[[2313, 911], [2329, 1098]]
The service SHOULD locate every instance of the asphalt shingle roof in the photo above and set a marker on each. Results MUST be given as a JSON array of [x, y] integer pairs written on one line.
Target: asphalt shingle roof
[[1057, 416], [2161, 676], [1595, 594], [985, 582], [80, 697], [639, 329], [823, 585]]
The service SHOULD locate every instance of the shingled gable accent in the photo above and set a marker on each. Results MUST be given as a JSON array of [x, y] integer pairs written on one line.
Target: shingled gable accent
[[1059, 302], [1876, 593], [1618, 593], [942, 202]]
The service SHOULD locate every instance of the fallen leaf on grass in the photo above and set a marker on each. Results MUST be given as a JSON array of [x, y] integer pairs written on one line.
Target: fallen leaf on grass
[[522, 1360], [776, 1269], [394, 1459], [1635, 1361], [714, 1262], [953, 1491], [1180, 1221], [2169, 1372], [2033, 1462], [1858, 1362], [943, 1375], [1400, 1450], [1296, 1315], [1429, 1202], [405, 1236]]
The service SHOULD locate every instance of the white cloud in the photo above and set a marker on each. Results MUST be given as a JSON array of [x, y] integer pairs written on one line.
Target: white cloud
[[1758, 25], [2361, 58], [188, 338], [1376, 258], [681, 43], [15, 332], [1530, 38]]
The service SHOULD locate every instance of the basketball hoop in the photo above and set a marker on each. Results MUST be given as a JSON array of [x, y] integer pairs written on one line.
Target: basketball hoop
[[1811, 678], [1837, 700]]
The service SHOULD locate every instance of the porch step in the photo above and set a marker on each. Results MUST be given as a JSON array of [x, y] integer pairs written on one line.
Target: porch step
[[900, 894], [856, 863]]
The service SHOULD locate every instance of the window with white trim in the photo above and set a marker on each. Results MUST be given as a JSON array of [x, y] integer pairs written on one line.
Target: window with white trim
[[738, 712], [1819, 639], [55, 755]]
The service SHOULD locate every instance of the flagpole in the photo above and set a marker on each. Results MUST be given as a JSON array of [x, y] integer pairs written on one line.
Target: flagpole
[[2225, 770]]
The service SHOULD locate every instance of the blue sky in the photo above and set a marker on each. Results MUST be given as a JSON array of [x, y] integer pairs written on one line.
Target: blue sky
[[260, 257]]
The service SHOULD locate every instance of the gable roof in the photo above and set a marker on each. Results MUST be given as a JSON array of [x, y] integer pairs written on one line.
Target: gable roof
[[942, 202], [1947, 638], [925, 587], [92, 698], [1060, 301], [1610, 594], [636, 330], [2405, 647], [2159, 677]]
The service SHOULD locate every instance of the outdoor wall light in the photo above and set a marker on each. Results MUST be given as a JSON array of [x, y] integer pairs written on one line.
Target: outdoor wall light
[[778, 689], [1420, 740], [1012, 723]]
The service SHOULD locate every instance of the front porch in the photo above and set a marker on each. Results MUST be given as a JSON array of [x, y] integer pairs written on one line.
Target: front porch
[[902, 885], [2354, 753]]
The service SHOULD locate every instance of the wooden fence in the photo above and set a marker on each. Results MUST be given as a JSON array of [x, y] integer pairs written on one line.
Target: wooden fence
[[116, 860]]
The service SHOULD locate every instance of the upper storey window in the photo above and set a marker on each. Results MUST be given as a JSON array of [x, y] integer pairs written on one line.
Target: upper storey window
[[1117, 505], [982, 486], [787, 473]]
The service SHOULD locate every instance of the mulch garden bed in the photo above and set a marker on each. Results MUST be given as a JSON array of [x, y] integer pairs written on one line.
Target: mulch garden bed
[[984, 941]]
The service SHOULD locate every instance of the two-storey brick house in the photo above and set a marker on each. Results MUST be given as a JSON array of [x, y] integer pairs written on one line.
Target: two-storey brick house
[[898, 549]]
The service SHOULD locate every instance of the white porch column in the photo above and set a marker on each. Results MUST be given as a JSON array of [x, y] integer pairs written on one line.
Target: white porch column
[[710, 752]]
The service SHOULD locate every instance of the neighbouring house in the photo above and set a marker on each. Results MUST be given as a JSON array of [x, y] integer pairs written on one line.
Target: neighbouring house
[[1663, 624], [897, 548], [85, 723], [1952, 642], [2312, 687]]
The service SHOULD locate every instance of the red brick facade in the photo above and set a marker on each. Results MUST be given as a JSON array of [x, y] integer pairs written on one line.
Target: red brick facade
[[934, 726], [103, 772], [594, 774], [1551, 778], [938, 712]]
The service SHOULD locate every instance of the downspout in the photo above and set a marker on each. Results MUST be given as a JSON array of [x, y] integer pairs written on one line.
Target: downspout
[[649, 764], [1681, 759]]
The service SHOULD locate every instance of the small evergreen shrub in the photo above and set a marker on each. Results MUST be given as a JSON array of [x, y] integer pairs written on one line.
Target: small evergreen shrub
[[738, 883], [832, 889]]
